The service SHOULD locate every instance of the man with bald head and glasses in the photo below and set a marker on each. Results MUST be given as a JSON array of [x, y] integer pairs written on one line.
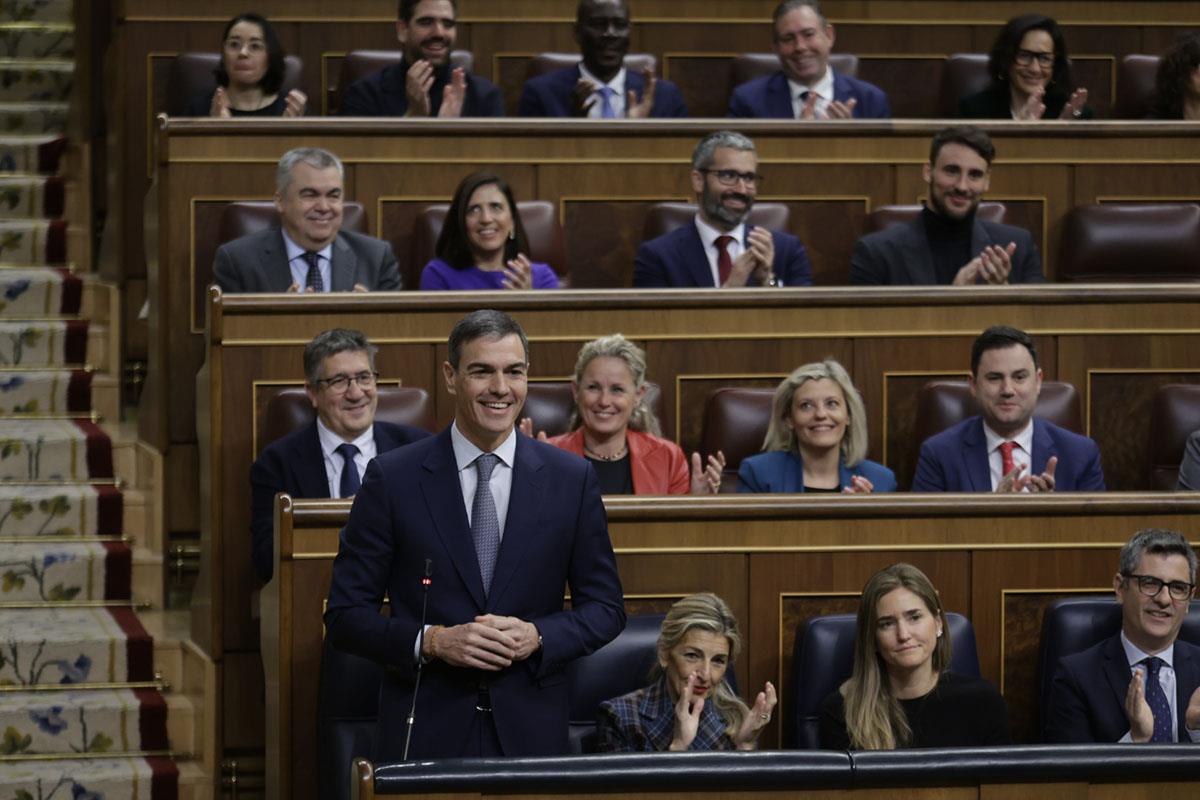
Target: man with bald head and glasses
[[1143, 684], [326, 458], [719, 248]]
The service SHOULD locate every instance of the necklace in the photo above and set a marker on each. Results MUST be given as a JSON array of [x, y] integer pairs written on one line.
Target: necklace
[[615, 457]]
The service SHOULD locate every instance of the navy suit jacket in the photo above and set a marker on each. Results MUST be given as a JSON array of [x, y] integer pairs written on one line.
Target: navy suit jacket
[[677, 260], [382, 94], [258, 262], [770, 97], [956, 460], [900, 255], [296, 465], [549, 95], [783, 471], [409, 509], [1087, 697]]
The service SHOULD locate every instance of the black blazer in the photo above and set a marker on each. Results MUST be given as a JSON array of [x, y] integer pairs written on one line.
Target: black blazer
[[995, 102], [382, 94]]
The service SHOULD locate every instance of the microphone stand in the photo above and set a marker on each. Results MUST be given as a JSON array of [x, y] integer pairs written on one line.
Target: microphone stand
[[426, 581]]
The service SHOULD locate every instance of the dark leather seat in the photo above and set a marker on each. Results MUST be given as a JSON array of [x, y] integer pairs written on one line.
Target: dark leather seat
[[347, 709], [620, 667], [244, 217], [539, 217], [748, 66], [193, 74], [1131, 242], [823, 658], [1135, 86], [662, 218], [963, 74], [885, 217], [544, 63], [941, 404], [735, 422], [290, 409], [550, 403], [361, 63], [1075, 624], [1173, 416]]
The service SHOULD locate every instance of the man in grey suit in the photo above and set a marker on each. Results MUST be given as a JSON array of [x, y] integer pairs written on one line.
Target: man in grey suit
[[309, 252], [947, 244]]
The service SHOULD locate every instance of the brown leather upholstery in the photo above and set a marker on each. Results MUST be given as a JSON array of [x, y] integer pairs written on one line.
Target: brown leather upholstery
[[361, 63], [1135, 86], [543, 63], [550, 403], [735, 422], [1173, 416], [193, 74], [666, 217], [1131, 242], [251, 216], [963, 74], [941, 404], [290, 410], [749, 66], [886, 216], [539, 217]]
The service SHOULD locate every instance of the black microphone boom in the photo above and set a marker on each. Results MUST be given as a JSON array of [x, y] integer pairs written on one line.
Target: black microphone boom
[[426, 581]]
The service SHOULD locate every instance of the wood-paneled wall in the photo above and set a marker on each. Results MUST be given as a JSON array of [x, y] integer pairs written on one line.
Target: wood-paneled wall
[[778, 561]]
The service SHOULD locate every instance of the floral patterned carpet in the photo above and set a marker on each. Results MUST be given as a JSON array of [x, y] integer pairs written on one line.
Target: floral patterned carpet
[[82, 714]]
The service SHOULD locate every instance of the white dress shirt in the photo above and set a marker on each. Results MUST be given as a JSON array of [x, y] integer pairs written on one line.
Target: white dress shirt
[[1021, 454], [708, 238], [617, 84], [1166, 679], [823, 89], [334, 462], [299, 267]]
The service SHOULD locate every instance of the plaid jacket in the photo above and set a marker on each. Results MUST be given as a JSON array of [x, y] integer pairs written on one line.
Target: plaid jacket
[[644, 721]]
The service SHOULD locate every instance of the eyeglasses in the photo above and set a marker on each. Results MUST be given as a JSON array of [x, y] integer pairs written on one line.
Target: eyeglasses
[[1151, 586], [1026, 57], [730, 177], [339, 384], [254, 45]]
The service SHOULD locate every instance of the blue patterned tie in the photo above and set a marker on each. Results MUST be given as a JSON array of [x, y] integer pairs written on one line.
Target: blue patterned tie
[[606, 107], [313, 279], [1157, 699], [485, 524], [350, 479]]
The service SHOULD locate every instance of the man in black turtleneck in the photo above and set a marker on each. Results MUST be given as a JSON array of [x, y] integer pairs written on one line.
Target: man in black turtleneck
[[946, 244], [424, 83]]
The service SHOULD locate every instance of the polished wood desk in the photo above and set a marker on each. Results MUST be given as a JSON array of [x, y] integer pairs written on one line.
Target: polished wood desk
[[777, 560]]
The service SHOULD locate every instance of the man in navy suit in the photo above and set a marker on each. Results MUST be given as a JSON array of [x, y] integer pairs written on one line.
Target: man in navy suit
[[326, 458], [1143, 684], [505, 522], [599, 86], [719, 249], [806, 87], [1007, 449]]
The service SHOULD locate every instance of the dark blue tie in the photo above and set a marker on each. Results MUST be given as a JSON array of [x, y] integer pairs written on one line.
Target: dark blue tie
[[1157, 700], [485, 524], [350, 479], [313, 279]]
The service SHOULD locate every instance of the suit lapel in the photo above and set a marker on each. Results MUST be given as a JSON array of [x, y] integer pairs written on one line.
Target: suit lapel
[[443, 497], [1187, 679], [1043, 448], [633, 83], [384, 440], [520, 526], [1116, 672], [309, 463], [343, 266], [979, 237], [976, 455], [779, 97], [691, 254], [918, 258], [274, 262]]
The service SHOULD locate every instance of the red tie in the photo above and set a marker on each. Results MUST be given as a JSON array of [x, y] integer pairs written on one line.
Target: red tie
[[1006, 462], [724, 262]]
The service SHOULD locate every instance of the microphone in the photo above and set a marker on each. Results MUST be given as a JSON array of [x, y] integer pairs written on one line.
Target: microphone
[[426, 582]]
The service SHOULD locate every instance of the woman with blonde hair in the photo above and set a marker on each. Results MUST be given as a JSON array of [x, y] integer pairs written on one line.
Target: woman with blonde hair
[[900, 693], [614, 428], [817, 438], [688, 704]]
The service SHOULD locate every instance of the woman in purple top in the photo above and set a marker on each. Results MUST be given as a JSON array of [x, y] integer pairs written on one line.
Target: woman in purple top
[[483, 244]]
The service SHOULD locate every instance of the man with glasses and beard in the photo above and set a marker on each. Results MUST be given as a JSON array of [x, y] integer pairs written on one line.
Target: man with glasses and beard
[[720, 249], [328, 457]]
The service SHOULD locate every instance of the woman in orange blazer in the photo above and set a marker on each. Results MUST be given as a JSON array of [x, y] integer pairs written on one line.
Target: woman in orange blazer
[[617, 432]]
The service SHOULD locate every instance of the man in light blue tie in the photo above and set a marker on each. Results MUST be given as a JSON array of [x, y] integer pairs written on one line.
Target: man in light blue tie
[[1142, 685]]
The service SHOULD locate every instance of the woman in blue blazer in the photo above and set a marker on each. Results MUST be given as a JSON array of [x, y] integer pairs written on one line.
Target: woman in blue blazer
[[817, 438]]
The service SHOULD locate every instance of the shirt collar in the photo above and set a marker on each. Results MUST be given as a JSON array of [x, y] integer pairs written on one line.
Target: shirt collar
[[1024, 439], [465, 451], [617, 84], [709, 234], [330, 440], [1134, 654], [294, 250], [823, 87]]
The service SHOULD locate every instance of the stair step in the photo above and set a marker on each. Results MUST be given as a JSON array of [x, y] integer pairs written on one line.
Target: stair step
[[54, 343], [170, 630], [36, 79], [37, 153], [58, 11], [78, 510], [70, 722], [47, 392], [34, 117], [31, 196], [148, 579], [53, 646], [37, 40], [34, 450], [56, 572], [33, 242], [94, 778]]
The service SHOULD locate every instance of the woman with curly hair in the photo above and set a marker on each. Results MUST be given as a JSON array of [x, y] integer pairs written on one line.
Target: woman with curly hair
[[1177, 85]]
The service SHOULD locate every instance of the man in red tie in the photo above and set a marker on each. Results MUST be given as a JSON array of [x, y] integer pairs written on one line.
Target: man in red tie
[[1006, 448], [721, 248]]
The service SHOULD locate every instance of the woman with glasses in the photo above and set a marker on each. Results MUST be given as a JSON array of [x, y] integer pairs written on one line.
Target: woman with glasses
[[614, 428], [688, 704], [483, 245], [250, 75], [1030, 76], [817, 438], [1177, 83], [900, 692]]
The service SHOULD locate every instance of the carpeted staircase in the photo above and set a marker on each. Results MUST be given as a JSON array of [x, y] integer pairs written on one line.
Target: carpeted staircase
[[83, 711]]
